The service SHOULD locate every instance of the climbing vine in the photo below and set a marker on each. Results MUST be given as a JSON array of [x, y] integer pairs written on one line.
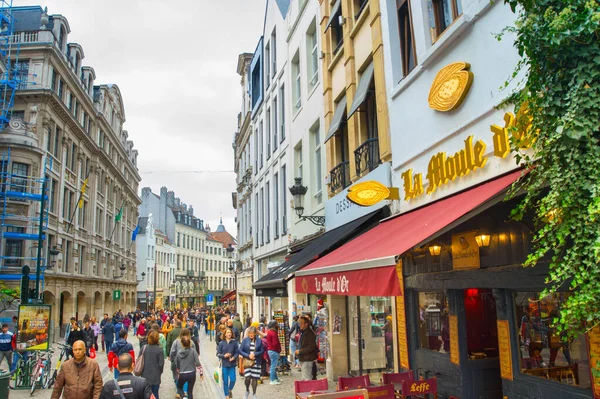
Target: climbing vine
[[559, 104]]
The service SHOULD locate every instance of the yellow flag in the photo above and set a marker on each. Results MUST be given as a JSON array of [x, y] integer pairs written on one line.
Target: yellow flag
[[83, 188]]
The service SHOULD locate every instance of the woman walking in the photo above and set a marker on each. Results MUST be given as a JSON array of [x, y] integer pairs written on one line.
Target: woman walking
[[187, 362], [274, 349], [228, 353], [96, 327], [252, 351], [154, 362], [294, 337]]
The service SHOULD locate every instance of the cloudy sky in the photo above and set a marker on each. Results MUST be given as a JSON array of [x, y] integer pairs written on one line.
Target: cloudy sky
[[175, 63]]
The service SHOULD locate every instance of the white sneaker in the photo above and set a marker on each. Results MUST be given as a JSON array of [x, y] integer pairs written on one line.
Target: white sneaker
[[246, 395], [276, 382]]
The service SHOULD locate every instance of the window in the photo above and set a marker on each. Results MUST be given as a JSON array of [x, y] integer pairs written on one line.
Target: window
[[262, 218], [261, 143], [312, 50], [81, 259], [19, 180], [60, 89], [82, 214], [73, 158], [257, 219], [359, 6], [273, 53], [282, 113], [337, 30], [407, 44], [545, 353], [56, 147], [67, 256], [67, 204], [276, 204], [54, 79], [268, 211], [297, 82], [434, 330], [256, 81], [298, 159], [283, 201], [275, 126], [268, 132], [13, 248], [21, 70], [53, 199], [317, 167], [267, 65], [441, 15]]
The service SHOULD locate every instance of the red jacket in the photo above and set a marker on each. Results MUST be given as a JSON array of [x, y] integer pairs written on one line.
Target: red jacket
[[118, 348], [273, 343]]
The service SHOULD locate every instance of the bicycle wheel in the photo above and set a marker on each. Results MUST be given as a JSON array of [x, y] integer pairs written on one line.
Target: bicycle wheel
[[52, 379], [33, 379], [46, 374]]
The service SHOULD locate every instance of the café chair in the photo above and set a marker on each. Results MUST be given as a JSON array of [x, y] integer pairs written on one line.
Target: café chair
[[354, 394], [311, 385], [419, 388], [345, 383], [382, 392], [396, 379]]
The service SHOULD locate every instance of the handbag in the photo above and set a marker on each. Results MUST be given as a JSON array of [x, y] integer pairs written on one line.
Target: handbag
[[139, 364], [92, 353], [247, 363]]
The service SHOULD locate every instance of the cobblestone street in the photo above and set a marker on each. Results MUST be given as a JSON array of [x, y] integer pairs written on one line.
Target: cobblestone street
[[206, 388]]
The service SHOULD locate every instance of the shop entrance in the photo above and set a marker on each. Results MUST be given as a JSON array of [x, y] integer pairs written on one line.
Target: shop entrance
[[370, 336], [483, 365]]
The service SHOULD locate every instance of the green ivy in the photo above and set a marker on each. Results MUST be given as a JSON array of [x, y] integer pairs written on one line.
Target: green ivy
[[559, 44]]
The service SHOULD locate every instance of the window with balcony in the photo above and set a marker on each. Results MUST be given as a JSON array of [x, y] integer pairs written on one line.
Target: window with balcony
[[312, 55], [335, 26], [407, 44], [442, 13], [339, 176], [297, 82]]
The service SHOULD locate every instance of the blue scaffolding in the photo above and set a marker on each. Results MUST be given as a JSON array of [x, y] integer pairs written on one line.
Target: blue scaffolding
[[9, 57]]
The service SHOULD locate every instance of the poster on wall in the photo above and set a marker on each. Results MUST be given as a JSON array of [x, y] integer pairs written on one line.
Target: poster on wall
[[454, 352], [34, 322], [337, 324], [506, 371], [465, 251], [593, 338]]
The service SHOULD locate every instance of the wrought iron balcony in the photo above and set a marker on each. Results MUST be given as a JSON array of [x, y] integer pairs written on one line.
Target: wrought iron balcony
[[340, 176], [366, 156]]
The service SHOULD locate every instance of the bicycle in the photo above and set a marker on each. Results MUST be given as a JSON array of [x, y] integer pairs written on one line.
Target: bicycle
[[41, 370], [20, 374], [63, 351]]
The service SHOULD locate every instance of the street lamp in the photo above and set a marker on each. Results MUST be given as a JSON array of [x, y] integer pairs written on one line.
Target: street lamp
[[53, 254], [122, 268], [143, 276], [298, 192]]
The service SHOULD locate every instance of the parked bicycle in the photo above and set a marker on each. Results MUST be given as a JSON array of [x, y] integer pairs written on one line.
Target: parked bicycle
[[21, 373], [41, 369], [63, 351]]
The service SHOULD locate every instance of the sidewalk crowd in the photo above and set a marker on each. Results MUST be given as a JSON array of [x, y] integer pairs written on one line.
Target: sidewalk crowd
[[123, 356]]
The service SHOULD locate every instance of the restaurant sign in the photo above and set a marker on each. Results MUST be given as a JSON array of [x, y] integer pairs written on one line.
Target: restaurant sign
[[443, 169], [506, 371], [380, 281], [465, 251], [454, 351]]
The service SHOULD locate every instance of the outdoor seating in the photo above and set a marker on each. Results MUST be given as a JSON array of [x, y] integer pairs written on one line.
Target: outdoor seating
[[345, 383], [310, 386], [382, 392], [396, 379]]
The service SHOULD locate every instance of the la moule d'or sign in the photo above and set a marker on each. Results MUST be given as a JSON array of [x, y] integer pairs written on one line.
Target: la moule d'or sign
[[450, 87], [370, 192], [442, 169]]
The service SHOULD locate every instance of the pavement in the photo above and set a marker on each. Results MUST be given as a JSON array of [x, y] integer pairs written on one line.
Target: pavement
[[206, 388]]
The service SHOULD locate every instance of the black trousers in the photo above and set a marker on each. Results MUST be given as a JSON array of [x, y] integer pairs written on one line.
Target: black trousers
[[190, 378]]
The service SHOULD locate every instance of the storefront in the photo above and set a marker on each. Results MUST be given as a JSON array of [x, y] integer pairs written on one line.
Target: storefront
[[470, 314]]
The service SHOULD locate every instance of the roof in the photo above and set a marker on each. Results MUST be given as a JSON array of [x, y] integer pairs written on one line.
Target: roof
[[283, 6], [224, 237], [143, 223], [29, 19]]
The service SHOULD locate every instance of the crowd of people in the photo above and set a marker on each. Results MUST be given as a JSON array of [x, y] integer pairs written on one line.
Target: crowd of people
[[250, 349]]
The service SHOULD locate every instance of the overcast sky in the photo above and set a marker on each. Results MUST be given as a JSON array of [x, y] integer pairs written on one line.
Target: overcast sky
[[175, 63]]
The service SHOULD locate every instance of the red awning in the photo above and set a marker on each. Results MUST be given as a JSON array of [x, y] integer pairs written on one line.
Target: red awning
[[229, 296], [364, 265]]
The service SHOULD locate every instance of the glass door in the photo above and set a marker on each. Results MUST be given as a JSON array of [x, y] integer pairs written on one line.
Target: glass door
[[354, 333]]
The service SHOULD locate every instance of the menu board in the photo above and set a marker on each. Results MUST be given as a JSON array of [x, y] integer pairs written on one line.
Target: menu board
[[506, 371], [593, 338], [454, 351], [401, 321]]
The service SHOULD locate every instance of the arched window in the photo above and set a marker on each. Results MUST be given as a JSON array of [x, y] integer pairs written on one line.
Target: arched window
[[77, 61], [61, 38]]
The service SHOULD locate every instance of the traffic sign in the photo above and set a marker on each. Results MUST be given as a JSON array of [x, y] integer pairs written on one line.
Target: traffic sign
[[210, 299]]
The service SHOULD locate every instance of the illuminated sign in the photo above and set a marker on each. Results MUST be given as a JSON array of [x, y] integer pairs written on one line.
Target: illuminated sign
[[450, 87], [370, 192]]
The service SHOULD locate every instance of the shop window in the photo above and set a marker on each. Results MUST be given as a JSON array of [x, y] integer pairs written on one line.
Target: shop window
[[543, 352], [482, 330], [442, 13], [434, 330]]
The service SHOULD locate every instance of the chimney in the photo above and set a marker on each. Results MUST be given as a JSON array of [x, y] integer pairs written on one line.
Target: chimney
[[163, 192], [146, 192], [191, 210], [171, 198], [177, 202]]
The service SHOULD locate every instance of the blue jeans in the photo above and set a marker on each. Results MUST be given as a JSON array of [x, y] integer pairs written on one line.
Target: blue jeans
[[154, 389], [293, 347], [116, 373], [228, 379], [274, 356]]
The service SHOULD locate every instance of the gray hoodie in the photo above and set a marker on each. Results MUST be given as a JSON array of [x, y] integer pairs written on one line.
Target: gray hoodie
[[187, 360]]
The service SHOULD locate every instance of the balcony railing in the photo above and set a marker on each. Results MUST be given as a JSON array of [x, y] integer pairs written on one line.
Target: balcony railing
[[340, 176], [366, 156]]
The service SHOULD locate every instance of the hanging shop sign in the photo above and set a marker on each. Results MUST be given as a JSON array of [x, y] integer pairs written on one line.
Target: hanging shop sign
[[465, 251], [401, 321], [34, 322], [443, 169], [506, 371], [450, 87], [453, 327], [593, 339], [371, 192]]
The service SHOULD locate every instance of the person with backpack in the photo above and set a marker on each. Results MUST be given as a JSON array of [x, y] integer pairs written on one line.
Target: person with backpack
[[127, 385], [117, 349], [118, 326]]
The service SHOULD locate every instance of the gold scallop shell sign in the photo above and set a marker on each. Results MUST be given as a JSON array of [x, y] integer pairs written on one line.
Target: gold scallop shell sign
[[368, 193], [450, 86]]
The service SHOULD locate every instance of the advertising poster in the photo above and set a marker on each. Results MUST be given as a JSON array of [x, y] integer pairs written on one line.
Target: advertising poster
[[34, 323]]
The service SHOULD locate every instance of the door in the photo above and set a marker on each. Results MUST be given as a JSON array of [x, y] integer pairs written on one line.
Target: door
[[354, 335]]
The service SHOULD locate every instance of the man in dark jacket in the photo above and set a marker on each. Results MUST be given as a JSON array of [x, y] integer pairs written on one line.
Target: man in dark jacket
[[307, 348], [131, 386], [102, 324], [173, 335], [88, 337], [117, 349], [108, 334]]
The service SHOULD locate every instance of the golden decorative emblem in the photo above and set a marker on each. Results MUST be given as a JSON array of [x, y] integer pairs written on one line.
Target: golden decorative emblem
[[450, 86], [368, 193], [305, 285]]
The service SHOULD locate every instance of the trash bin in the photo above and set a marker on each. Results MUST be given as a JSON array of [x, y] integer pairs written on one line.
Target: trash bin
[[4, 378]]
